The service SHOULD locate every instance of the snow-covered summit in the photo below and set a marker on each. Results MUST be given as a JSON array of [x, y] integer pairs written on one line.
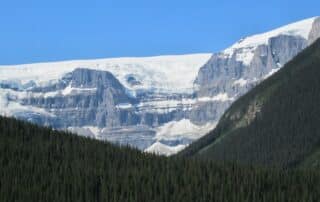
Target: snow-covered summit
[[160, 73], [249, 44]]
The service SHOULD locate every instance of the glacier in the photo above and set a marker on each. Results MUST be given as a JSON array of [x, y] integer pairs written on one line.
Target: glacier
[[159, 73]]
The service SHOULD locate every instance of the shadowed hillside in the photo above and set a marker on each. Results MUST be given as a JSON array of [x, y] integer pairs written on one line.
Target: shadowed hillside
[[39, 164], [275, 124]]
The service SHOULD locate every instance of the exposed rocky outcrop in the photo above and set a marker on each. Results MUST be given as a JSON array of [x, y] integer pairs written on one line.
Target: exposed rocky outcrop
[[315, 31], [226, 74]]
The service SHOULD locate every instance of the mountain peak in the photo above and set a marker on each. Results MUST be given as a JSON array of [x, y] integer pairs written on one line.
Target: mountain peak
[[249, 44], [301, 28]]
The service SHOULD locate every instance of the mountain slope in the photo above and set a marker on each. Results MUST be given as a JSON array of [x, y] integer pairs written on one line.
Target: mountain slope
[[134, 100], [276, 123], [40, 164]]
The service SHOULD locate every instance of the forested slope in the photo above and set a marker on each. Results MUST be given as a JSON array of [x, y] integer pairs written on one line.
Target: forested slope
[[40, 164], [276, 124]]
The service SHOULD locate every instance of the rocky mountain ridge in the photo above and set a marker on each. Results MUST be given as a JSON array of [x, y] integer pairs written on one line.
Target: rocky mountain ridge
[[149, 103]]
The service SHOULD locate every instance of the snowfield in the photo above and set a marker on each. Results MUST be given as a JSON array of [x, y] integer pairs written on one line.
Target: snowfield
[[160, 73]]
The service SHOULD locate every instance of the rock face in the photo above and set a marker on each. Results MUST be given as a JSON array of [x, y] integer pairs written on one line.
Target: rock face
[[225, 74], [315, 31], [249, 61], [82, 97], [149, 103]]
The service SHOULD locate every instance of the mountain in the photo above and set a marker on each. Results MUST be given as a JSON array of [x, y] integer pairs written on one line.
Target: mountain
[[123, 100], [157, 104], [274, 124], [41, 164]]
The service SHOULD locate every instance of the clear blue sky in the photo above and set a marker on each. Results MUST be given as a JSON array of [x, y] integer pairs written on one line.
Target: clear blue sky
[[50, 30]]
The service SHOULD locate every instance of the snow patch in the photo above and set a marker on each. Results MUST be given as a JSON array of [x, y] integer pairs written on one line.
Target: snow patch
[[222, 97], [271, 73], [165, 106], [87, 131], [124, 106], [10, 107], [246, 55], [183, 128], [241, 82], [162, 149], [95, 130], [175, 130], [69, 90]]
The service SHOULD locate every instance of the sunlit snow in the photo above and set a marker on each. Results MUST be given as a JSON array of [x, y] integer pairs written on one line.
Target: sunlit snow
[[247, 46], [160, 73]]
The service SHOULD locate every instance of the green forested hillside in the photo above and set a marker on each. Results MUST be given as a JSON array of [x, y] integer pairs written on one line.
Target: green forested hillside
[[39, 164], [276, 124]]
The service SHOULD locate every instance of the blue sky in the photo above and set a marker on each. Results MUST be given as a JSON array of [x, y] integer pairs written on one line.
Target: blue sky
[[43, 30]]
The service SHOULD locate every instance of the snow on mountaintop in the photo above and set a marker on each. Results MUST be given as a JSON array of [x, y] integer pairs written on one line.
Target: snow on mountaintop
[[301, 28], [160, 73]]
